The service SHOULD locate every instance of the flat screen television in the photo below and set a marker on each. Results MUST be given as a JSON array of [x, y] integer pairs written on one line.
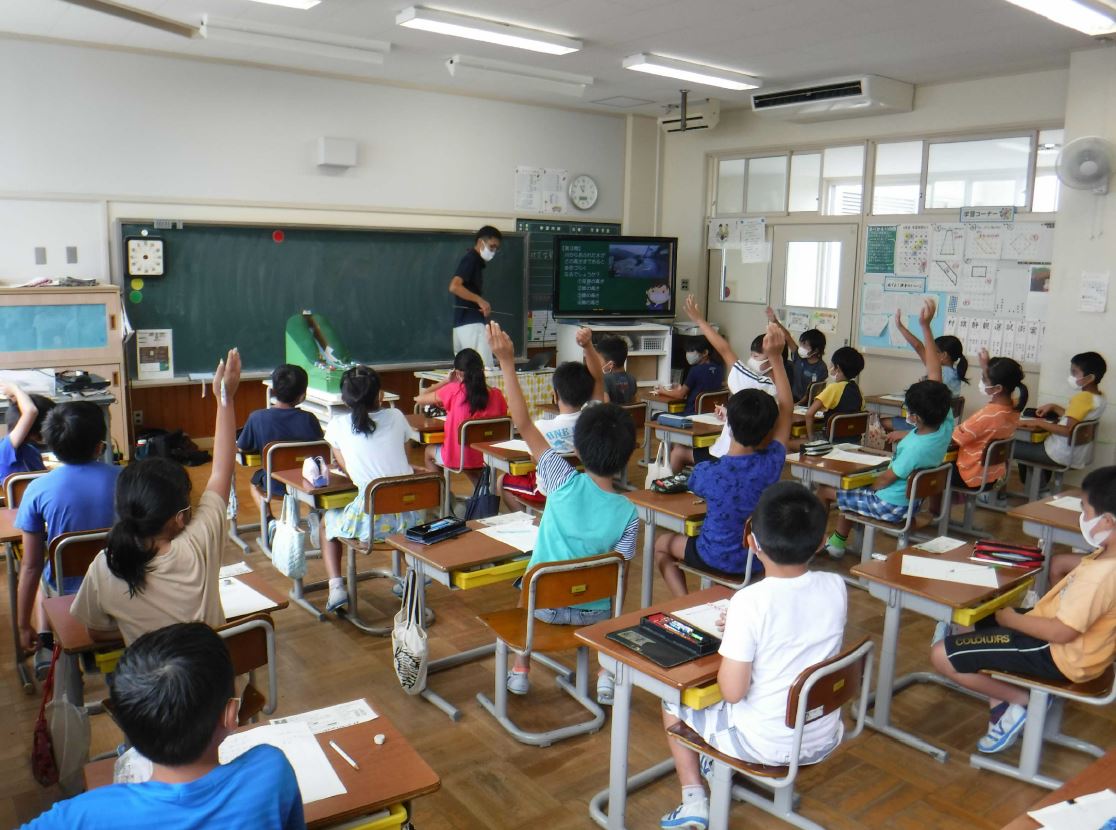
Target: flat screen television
[[619, 276]]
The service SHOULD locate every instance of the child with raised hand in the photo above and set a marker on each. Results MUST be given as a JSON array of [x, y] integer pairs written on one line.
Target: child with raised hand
[[731, 485], [944, 353], [755, 375], [1070, 635], [807, 358], [163, 556], [369, 442], [774, 629], [604, 438], [173, 693], [927, 404], [704, 375], [1000, 378], [19, 449]]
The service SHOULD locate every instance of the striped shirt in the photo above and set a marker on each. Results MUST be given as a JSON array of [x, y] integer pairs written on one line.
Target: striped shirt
[[992, 422]]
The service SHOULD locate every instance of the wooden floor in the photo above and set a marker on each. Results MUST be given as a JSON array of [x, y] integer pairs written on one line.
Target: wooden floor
[[491, 781]]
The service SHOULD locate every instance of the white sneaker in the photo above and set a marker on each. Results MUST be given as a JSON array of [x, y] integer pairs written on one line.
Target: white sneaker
[[834, 552], [518, 682], [1004, 732], [606, 689], [694, 815], [338, 599]]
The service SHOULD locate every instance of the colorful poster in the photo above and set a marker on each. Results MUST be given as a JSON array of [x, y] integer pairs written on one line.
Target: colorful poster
[[912, 249], [880, 257]]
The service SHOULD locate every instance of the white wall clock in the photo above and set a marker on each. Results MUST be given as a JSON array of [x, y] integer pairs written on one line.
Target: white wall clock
[[583, 192], [144, 256]]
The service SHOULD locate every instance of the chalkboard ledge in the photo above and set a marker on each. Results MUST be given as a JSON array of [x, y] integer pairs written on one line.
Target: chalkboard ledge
[[186, 380]]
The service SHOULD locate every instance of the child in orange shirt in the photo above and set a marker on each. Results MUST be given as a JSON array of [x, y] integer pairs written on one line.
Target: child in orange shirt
[[997, 420]]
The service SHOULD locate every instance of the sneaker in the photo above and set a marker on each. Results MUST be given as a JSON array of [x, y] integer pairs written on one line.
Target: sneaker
[[694, 814], [834, 552], [705, 763], [338, 599], [397, 588], [518, 682], [1004, 732], [941, 631], [606, 689], [42, 662], [992, 498]]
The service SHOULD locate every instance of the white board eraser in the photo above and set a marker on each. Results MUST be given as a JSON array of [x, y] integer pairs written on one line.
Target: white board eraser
[[380, 738]]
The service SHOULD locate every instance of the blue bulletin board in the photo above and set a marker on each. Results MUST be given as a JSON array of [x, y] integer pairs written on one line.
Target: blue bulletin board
[[881, 295]]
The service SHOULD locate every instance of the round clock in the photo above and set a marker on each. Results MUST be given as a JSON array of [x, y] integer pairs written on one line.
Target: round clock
[[583, 192], [144, 256]]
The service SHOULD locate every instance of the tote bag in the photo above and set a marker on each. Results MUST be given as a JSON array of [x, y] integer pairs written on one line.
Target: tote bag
[[408, 639], [288, 547], [659, 467]]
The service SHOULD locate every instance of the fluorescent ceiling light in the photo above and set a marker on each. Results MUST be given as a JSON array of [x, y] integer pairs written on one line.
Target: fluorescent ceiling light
[[697, 73], [488, 31], [563, 83], [292, 4], [1091, 18], [301, 41]]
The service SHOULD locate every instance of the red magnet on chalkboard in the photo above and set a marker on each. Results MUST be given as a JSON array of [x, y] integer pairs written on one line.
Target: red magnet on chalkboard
[[278, 236]]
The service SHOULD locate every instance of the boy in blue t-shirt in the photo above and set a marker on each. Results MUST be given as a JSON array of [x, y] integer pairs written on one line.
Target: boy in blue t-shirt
[[584, 516], [76, 496], [19, 452], [704, 375], [173, 695], [731, 485]]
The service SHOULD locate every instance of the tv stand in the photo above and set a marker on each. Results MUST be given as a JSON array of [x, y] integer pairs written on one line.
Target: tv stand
[[648, 352]]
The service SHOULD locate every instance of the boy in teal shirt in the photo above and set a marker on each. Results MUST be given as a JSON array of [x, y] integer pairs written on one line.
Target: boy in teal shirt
[[584, 516]]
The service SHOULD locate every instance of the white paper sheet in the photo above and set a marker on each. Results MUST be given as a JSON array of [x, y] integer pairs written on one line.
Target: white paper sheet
[[873, 325], [522, 537], [707, 418], [896, 398], [316, 776], [943, 544], [1094, 291], [238, 599], [856, 457], [236, 569], [329, 718], [514, 444], [1066, 503], [947, 571], [753, 244], [793, 456], [704, 616], [1086, 812], [519, 517]]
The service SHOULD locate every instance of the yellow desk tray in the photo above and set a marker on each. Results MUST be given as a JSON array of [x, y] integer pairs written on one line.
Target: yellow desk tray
[[702, 441], [503, 572], [106, 660], [969, 616], [855, 480], [521, 468], [397, 817], [693, 526], [335, 500], [249, 459], [699, 697]]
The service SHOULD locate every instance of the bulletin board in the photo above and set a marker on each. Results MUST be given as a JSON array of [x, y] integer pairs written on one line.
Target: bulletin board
[[990, 280]]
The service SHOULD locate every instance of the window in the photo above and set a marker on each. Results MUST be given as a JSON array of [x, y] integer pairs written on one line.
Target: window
[[766, 185], [842, 180], [898, 178], [730, 185], [805, 181], [1045, 197], [990, 172], [813, 274]]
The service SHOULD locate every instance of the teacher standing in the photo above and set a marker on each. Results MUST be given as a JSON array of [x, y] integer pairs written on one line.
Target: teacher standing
[[470, 309]]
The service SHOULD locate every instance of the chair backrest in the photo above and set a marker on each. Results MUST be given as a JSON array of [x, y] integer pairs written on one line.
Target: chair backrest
[[928, 482], [996, 454], [848, 425], [573, 582], [397, 494], [73, 553], [957, 405], [813, 390], [1084, 432], [827, 686], [251, 645], [708, 401], [638, 411], [15, 485], [289, 455], [478, 430]]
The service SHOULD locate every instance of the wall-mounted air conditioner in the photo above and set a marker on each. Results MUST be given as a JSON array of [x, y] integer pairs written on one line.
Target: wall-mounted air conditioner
[[849, 98]]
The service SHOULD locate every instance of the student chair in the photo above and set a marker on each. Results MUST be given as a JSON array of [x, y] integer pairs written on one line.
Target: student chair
[[281, 455], [996, 453], [1046, 726], [15, 485], [709, 576], [850, 425], [957, 407], [921, 486], [251, 645], [708, 401], [71, 554], [1084, 434], [553, 585], [638, 411], [472, 431], [813, 390], [382, 496], [817, 691]]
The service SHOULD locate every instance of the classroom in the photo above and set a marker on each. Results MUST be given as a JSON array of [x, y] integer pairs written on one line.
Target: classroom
[[922, 186]]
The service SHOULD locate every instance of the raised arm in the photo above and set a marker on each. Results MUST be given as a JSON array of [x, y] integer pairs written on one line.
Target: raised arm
[[719, 344], [593, 363], [908, 335], [773, 318], [504, 351], [773, 344], [28, 412], [225, 382], [929, 349]]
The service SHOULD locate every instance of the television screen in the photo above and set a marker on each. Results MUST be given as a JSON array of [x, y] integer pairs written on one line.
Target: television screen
[[621, 276]]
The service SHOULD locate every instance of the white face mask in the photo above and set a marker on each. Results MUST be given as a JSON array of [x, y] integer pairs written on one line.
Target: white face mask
[[1094, 540], [1072, 381], [487, 253], [985, 389], [693, 357], [803, 352], [758, 365]]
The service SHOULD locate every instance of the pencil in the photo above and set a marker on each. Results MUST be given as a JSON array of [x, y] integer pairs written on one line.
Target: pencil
[[344, 755]]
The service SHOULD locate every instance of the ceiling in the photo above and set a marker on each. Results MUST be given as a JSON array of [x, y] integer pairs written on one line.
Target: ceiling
[[781, 41]]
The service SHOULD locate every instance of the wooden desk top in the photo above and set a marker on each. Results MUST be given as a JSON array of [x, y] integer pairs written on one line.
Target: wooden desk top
[[1099, 775], [337, 483], [697, 429], [889, 572], [74, 637], [683, 505], [844, 468], [8, 530], [892, 398], [490, 448], [657, 397], [388, 774], [420, 423], [694, 673], [1040, 511], [465, 551]]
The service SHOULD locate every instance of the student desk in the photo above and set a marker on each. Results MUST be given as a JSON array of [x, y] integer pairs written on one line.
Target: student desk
[[798, 421], [818, 470], [678, 512], [100, 397], [1050, 526], [423, 430], [470, 560], [886, 406], [693, 684], [389, 774], [10, 536], [699, 435], [1029, 434], [1099, 775], [656, 402], [338, 492], [516, 462], [73, 636], [325, 405], [937, 599]]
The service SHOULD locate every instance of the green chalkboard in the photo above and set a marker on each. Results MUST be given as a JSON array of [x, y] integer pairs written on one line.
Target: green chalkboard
[[880, 254], [384, 291]]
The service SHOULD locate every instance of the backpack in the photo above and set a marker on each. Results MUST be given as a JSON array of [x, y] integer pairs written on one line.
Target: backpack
[[177, 446]]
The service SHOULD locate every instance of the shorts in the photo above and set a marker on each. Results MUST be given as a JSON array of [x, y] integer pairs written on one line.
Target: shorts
[[1001, 649], [525, 488], [864, 501], [278, 488], [702, 454], [571, 615], [473, 336], [716, 727], [692, 558]]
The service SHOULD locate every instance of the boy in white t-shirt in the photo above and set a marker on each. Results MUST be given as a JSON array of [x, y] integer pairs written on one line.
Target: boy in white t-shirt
[[773, 630], [575, 385]]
